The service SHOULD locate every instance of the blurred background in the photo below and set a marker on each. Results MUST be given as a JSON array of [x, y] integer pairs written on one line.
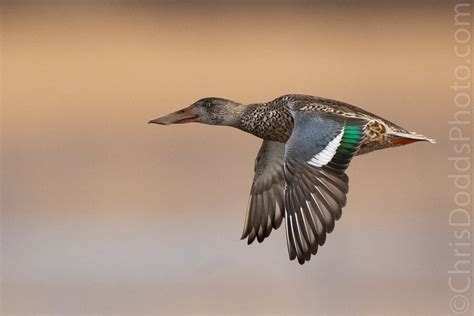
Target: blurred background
[[104, 214]]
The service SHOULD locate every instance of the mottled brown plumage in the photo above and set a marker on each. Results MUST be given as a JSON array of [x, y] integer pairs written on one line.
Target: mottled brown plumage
[[273, 121]]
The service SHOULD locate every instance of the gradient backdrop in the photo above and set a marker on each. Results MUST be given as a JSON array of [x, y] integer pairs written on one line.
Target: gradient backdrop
[[104, 214]]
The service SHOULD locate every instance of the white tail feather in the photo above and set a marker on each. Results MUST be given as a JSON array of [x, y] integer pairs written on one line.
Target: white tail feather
[[414, 136]]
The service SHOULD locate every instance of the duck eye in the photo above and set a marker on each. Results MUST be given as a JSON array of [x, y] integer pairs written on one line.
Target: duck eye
[[208, 104]]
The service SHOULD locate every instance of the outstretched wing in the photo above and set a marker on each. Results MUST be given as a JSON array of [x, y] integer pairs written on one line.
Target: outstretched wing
[[265, 208], [317, 154]]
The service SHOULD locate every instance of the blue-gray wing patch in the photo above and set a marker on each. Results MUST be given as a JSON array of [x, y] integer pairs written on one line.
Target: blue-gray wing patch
[[311, 135]]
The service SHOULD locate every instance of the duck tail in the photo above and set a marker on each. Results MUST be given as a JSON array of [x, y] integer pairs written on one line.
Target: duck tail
[[408, 138]]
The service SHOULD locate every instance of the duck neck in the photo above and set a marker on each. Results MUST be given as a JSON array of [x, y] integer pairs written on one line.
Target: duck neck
[[266, 121]]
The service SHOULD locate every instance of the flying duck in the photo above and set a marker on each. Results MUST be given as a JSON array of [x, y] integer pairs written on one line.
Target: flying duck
[[300, 169]]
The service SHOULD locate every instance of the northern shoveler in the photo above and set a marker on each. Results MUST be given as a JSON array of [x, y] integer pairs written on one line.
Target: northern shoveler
[[308, 143]]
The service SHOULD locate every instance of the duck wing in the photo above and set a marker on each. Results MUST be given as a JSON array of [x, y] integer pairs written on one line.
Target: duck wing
[[317, 154], [266, 207]]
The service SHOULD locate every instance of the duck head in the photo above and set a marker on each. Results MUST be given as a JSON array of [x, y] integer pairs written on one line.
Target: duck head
[[212, 111]]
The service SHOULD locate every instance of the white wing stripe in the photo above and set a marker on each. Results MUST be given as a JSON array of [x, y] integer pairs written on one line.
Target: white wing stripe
[[325, 155]]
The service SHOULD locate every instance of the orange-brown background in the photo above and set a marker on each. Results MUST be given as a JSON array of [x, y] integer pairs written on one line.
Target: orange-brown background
[[102, 213]]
